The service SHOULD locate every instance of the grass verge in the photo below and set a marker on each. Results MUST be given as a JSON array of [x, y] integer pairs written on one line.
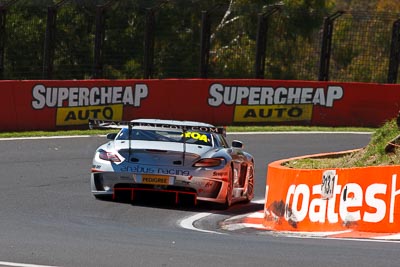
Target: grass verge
[[373, 154]]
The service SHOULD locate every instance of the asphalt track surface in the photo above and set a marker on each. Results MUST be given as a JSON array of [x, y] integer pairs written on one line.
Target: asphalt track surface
[[49, 218]]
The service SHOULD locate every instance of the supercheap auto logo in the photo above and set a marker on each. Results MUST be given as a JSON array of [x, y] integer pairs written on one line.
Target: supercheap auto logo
[[273, 104], [75, 105]]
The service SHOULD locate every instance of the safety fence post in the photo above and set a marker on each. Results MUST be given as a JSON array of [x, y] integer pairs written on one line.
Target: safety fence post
[[326, 46], [99, 42], [394, 53], [2, 38], [50, 39], [149, 38], [100, 33], [261, 41], [205, 43], [3, 12], [49, 42]]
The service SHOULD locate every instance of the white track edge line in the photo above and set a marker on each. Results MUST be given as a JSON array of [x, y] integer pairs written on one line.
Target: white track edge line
[[188, 223], [16, 264]]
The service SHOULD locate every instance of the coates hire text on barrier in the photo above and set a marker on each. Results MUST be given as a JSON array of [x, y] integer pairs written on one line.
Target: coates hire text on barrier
[[363, 199]]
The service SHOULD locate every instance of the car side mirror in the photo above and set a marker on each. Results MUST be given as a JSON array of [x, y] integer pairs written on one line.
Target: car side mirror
[[111, 136], [237, 144]]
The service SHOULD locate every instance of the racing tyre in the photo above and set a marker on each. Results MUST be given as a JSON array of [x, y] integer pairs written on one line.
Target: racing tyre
[[250, 187], [228, 199]]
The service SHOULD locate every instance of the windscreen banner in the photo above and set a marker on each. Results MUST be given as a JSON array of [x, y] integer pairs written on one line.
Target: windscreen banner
[[68, 104]]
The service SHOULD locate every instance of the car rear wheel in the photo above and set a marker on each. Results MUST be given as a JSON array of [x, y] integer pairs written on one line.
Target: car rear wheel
[[250, 186], [229, 190]]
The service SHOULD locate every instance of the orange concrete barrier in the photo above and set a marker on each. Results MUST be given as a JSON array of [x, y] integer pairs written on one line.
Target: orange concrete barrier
[[363, 199]]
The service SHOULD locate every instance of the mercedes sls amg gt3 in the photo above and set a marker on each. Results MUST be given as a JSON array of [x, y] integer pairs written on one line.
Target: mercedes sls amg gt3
[[183, 158]]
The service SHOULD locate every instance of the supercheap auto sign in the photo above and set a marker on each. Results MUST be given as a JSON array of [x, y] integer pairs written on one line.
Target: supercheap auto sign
[[269, 104], [75, 105], [49, 105]]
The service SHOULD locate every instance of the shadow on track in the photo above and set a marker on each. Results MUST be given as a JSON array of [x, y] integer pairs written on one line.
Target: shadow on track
[[185, 203]]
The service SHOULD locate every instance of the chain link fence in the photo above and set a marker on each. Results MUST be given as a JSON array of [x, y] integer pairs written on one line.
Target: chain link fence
[[124, 40], [361, 47]]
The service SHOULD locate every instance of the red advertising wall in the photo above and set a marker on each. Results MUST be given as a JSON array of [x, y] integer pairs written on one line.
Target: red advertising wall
[[50, 105]]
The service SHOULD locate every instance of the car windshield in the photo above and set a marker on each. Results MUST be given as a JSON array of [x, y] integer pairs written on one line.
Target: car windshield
[[192, 137]]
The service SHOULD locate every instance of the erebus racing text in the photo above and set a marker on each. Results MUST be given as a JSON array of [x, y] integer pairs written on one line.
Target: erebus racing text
[[150, 170]]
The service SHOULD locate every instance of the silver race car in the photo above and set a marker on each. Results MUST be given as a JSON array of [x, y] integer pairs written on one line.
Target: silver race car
[[183, 158]]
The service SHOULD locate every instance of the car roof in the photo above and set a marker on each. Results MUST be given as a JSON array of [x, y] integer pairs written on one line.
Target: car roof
[[173, 122]]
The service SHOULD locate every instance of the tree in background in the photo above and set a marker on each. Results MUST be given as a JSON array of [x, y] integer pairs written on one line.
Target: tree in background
[[361, 41], [292, 50], [293, 47], [25, 30]]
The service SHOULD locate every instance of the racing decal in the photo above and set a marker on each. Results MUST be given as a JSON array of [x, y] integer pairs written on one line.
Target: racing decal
[[209, 184], [220, 174], [273, 113], [150, 170], [197, 136], [194, 135], [261, 96], [81, 115], [96, 166], [173, 171], [209, 189], [181, 127], [157, 179], [137, 169]]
